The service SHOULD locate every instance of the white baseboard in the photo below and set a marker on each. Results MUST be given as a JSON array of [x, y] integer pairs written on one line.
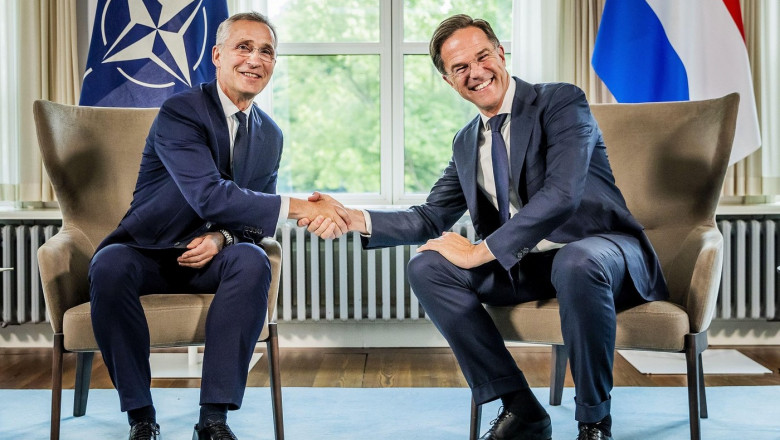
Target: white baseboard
[[391, 333]]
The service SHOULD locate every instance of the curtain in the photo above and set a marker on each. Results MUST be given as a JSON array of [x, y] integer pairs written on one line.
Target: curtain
[[769, 98], [47, 70], [9, 131], [744, 177]]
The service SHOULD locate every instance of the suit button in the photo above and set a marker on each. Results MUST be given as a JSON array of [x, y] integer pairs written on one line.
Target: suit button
[[208, 225], [176, 244], [260, 231]]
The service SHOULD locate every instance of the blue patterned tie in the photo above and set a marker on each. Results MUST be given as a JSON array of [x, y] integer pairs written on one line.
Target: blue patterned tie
[[500, 166], [240, 146]]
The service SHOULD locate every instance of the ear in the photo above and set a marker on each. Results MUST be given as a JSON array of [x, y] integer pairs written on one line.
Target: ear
[[447, 80], [500, 52], [215, 56]]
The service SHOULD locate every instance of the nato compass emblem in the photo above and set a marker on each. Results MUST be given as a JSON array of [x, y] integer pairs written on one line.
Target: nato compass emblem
[[143, 51]]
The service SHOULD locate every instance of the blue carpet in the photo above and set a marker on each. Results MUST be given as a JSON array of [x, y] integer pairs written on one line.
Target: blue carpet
[[397, 414]]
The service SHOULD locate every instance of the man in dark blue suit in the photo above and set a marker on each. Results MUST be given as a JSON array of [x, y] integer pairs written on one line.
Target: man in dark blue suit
[[204, 198], [532, 171]]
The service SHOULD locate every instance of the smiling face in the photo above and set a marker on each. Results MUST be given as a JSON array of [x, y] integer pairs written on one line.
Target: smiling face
[[486, 79], [243, 77]]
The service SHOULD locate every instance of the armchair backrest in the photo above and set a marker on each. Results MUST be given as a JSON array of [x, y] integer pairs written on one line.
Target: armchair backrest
[[669, 160], [92, 155]]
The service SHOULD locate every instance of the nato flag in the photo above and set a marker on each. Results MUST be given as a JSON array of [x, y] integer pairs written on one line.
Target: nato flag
[[143, 51]]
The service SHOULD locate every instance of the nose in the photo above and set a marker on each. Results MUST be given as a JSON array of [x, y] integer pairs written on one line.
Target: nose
[[475, 69]]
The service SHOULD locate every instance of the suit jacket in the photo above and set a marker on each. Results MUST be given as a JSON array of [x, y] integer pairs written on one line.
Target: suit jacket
[[559, 168], [184, 186]]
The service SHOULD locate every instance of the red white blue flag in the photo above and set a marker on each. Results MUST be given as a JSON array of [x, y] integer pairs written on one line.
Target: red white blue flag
[[143, 51], [675, 50]]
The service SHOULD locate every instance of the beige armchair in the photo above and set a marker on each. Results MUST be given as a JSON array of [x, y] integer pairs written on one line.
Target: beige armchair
[[92, 157], [669, 160]]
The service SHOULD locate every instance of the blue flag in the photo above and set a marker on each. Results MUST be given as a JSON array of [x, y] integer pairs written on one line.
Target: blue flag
[[143, 51]]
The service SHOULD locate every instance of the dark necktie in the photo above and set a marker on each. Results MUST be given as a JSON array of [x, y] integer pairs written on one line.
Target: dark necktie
[[240, 146], [500, 166]]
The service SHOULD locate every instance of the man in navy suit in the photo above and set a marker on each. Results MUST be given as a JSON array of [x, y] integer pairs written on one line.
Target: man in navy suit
[[552, 223], [204, 199]]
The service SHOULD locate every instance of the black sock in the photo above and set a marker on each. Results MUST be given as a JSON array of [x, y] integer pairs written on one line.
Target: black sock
[[212, 412], [604, 425], [524, 404], [140, 414]]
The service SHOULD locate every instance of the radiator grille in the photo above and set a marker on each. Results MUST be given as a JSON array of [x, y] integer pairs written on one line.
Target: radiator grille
[[337, 280], [22, 298], [750, 259]]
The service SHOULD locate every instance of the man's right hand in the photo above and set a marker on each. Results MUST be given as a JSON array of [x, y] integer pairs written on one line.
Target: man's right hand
[[334, 220]]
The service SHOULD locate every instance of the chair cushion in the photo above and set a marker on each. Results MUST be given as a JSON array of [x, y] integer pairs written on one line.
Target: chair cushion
[[174, 320], [658, 325]]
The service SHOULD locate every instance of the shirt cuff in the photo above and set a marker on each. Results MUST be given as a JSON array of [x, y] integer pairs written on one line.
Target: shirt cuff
[[367, 218], [488, 249], [284, 210]]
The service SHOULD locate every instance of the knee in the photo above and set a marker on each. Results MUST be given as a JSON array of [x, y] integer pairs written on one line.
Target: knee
[[251, 264], [576, 266], [111, 266], [423, 266]]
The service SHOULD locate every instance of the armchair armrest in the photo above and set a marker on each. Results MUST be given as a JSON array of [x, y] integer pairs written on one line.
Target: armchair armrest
[[63, 261], [274, 251], [694, 275]]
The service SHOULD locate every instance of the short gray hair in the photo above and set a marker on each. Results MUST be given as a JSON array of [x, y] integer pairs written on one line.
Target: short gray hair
[[224, 28]]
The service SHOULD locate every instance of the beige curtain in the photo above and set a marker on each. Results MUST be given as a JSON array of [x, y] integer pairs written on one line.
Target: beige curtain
[[744, 177], [48, 69], [579, 23]]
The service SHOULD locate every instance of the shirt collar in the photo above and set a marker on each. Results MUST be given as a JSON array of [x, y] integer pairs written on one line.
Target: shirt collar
[[227, 105], [506, 104]]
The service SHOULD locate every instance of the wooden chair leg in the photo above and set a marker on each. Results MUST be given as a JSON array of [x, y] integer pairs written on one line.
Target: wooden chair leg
[[702, 391], [272, 345], [56, 385], [695, 344], [476, 420], [557, 373], [83, 377]]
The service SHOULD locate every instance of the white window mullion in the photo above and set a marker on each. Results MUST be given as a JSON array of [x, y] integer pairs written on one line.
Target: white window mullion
[[397, 111]]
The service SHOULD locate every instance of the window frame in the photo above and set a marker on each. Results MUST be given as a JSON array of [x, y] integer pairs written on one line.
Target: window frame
[[391, 49]]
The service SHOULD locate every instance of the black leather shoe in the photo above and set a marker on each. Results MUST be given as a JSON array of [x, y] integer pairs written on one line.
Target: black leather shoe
[[590, 432], [509, 427], [214, 431], [145, 430]]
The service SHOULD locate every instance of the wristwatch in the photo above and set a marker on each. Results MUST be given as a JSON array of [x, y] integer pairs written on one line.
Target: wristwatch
[[228, 237]]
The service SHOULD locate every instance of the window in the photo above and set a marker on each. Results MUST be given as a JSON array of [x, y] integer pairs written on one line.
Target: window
[[364, 113]]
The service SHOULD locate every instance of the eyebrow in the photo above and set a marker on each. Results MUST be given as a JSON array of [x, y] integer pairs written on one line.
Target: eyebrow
[[251, 43]]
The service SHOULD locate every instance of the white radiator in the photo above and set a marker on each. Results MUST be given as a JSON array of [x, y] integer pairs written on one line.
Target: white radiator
[[22, 296], [338, 280], [750, 259]]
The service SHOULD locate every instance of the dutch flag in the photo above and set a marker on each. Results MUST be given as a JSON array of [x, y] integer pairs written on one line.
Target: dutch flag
[[675, 50]]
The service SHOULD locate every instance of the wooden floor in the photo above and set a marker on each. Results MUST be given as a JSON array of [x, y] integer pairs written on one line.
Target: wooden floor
[[371, 368]]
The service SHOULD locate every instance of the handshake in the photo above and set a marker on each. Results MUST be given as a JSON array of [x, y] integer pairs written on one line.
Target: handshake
[[326, 217]]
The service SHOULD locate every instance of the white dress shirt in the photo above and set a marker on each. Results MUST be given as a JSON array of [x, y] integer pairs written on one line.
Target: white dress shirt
[[230, 110]]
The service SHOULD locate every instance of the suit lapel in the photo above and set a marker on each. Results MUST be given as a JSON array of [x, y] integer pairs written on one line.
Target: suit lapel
[[467, 161], [523, 114], [219, 122]]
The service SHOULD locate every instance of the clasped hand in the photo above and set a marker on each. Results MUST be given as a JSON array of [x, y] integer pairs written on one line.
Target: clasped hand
[[329, 220]]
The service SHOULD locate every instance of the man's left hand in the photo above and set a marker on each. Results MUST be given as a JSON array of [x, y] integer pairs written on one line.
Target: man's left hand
[[201, 250], [458, 250]]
